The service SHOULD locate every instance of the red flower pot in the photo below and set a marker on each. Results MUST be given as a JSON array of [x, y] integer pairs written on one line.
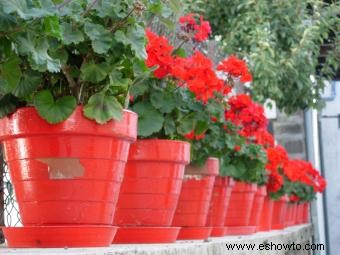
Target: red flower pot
[[194, 202], [279, 213], [299, 214], [260, 195], [265, 222], [306, 213], [289, 214], [68, 173], [150, 191], [294, 214], [223, 187], [239, 209]]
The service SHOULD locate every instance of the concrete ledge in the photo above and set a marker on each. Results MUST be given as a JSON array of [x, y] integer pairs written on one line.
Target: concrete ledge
[[301, 234]]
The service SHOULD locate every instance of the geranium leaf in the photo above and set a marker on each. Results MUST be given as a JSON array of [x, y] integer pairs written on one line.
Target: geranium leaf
[[37, 52], [150, 120], [93, 72], [71, 35], [27, 84], [52, 26], [54, 111], [8, 104], [100, 37], [102, 108], [24, 9], [135, 37], [11, 73], [163, 101]]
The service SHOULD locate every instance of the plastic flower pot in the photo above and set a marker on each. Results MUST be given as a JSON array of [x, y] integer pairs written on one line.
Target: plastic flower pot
[[194, 202], [150, 191], [260, 195], [289, 214], [265, 222], [306, 213], [294, 213], [219, 205], [279, 213], [66, 174], [299, 214], [239, 209]]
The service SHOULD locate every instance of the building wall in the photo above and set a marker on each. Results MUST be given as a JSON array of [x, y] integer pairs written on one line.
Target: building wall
[[289, 131]]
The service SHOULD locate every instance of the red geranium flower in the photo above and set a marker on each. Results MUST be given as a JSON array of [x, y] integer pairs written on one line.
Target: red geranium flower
[[193, 136], [159, 54], [264, 138], [235, 67], [275, 182], [197, 73], [246, 114], [200, 31]]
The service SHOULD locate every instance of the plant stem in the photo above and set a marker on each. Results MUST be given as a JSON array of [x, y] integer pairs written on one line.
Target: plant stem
[[122, 21], [60, 6], [88, 9], [70, 80]]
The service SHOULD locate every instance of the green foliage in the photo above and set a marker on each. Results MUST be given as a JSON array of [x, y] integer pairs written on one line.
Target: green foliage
[[57, 54], [281, 39], [247, 163]]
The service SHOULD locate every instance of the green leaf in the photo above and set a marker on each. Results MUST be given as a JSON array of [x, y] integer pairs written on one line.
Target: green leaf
[[187, 124], [27, 85], [102, 108], [139, 89], [8, 104], [93, 72], [150, 120], [52, 27], [100, 37], [11, 73], [164, 101], [7, 21], [169, 126], [70, 34], [135, 37], [37, 52], [201, 127], [24, 9], [118, 83], [54, 111], [175, 5]]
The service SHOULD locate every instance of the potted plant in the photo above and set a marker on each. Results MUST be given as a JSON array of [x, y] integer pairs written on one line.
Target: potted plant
[[303, 182], [171, 106], [274, 212], [245, 162], [65, 71], [261, 205]]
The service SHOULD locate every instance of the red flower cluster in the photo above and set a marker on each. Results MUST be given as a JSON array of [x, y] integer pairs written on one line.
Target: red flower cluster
[[275, 182], [294, 198], [159, 54], [197, 73], [277, 156], [246, 114], [235, 67], [200, 31], [264, 138], [303, 171], [193, 136]]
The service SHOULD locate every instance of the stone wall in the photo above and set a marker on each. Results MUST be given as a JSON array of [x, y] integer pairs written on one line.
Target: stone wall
[[289, 131]]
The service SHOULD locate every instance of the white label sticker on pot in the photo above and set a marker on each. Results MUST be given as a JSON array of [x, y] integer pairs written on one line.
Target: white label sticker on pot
[[63, 168]]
